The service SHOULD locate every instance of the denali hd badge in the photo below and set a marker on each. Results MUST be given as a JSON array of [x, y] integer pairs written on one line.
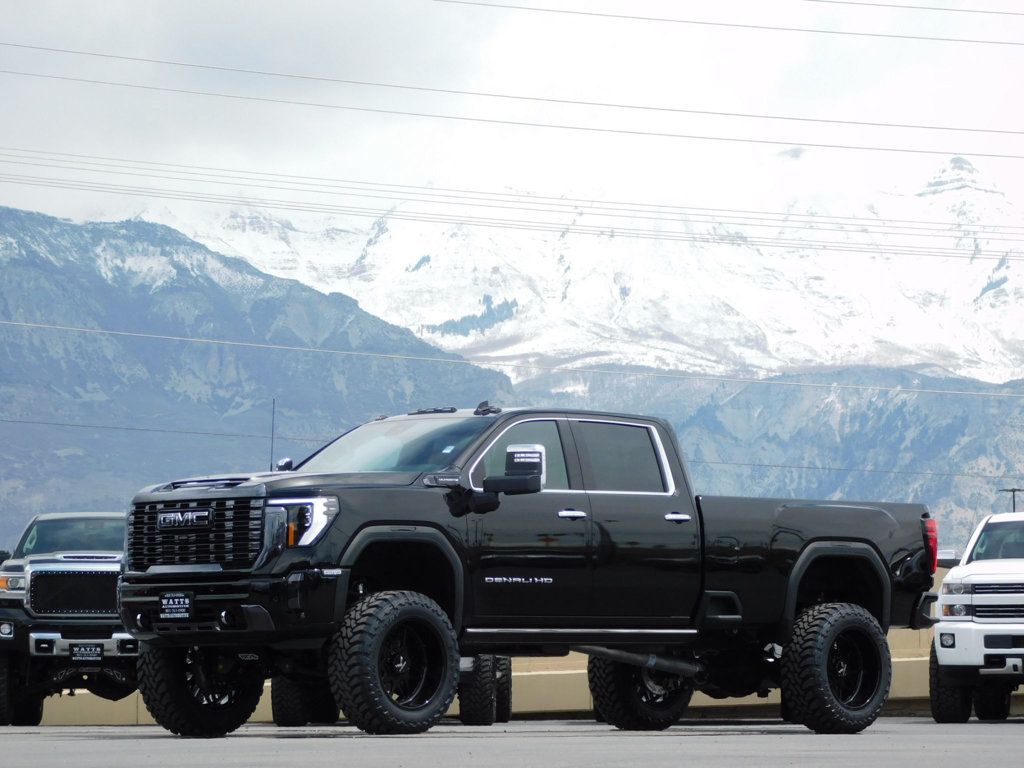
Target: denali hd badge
[[191, 518]]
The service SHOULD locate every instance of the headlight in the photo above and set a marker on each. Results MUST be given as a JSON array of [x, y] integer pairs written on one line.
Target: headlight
[[12, 583], [956, 588], [956, 610], [306, 519]]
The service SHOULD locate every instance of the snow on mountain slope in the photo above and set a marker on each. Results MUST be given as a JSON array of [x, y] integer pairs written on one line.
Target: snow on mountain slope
[[715, 295]]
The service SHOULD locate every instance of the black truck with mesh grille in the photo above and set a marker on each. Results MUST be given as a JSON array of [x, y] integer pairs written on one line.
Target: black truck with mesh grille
[[372, 574], [59, 627]]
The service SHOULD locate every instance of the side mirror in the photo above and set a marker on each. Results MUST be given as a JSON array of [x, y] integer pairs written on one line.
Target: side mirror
[[525, 471], [4, 556], [948, 558], [284, 465]]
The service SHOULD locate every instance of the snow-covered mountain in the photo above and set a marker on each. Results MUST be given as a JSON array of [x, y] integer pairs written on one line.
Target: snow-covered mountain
[[929, 275]]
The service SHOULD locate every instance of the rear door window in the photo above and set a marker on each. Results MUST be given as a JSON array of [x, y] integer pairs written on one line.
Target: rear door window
[[619, 457]]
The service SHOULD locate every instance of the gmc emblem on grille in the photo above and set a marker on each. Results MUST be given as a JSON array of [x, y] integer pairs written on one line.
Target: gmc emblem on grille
[[192, 518]]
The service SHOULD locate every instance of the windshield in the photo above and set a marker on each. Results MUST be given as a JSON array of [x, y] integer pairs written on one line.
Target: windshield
[[88, 534], [399, 445], [999, 541]]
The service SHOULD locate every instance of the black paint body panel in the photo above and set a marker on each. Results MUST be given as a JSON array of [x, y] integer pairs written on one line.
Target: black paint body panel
[[716, 562]]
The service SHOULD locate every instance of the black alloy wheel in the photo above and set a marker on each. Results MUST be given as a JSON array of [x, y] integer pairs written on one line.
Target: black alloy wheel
[[394, 666], [198, 692], [836, 669], [635, 699]]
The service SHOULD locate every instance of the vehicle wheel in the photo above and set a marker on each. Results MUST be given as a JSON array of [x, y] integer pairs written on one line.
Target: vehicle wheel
[[786, 712], [6, 706], [478, 693], [503, 692], [198, 692], [950, 703], [394, 666], [289, 702], [992, 701], [27, 711], [636, 699], [836, 669], [323, 709]]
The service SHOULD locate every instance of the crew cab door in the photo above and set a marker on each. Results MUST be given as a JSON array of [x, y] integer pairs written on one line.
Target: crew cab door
[[646, 562], [529, 558]]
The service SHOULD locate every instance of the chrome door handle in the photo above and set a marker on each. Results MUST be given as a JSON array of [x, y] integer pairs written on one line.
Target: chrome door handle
[[677, 517], [571, 514]]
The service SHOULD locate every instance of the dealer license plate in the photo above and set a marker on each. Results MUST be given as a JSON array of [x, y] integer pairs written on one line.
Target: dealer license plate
[[176, 606], [86, 653]]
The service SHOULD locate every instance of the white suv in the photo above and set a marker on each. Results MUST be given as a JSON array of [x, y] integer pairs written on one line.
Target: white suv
[[978, 654]]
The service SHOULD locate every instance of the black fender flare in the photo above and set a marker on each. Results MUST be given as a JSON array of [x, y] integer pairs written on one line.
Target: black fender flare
[[421, 534], [847, 549]]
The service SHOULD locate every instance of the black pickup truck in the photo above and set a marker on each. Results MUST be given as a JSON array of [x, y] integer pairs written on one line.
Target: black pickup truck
[[387, 560]]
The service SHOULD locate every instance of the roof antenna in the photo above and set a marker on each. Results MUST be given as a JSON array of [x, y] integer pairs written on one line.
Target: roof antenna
[[486, 409]]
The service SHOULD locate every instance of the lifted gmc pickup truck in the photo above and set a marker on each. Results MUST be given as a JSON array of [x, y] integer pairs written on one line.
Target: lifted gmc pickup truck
[[393, 555], [59, 627]]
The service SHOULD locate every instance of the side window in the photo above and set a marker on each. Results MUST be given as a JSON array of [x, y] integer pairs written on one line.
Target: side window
[[543, 432], [622, 457]]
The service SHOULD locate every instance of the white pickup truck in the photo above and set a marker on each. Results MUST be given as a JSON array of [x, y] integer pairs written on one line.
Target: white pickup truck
[[977, 657]]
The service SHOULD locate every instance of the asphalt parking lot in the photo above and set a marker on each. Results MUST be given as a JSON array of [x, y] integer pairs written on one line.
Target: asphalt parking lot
[[889, 742]]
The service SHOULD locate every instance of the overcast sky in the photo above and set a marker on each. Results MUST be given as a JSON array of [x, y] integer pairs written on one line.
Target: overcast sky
[[500, 50]]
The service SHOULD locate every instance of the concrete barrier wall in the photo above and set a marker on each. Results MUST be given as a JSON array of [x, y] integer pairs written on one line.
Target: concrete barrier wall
[[538, 686]]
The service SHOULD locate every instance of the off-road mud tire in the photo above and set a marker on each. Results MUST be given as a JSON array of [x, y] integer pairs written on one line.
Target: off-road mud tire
[[289, 702], [478, 702], [366, 665], [992, 701], [622, 694], [949, 703], [503, 689], [164, 687], [836, 668]]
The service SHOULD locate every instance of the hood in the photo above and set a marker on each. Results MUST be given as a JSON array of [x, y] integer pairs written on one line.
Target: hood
[[260, 484], [1004, 569]]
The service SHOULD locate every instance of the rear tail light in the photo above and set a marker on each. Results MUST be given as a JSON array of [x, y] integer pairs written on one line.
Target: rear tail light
[[930, 529]]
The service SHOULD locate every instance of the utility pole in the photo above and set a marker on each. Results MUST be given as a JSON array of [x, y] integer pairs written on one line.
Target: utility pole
[[273, 416], [1013, 492]]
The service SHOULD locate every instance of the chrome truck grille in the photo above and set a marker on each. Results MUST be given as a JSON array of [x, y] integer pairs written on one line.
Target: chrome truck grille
[[225, 532]]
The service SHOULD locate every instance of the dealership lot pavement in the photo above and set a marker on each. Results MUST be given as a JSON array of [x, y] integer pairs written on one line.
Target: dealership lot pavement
[[523, 744]]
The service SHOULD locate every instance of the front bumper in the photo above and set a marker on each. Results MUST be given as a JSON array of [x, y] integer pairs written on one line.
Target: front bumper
[[244, 610], [991, 649], [55, 645]]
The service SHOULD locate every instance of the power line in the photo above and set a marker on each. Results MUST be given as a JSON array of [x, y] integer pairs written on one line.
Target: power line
[[554, 201], [737, 240], [916, 7], [511, 123], [732, 25], [321, 441], [453, 200], [154, 429], [515, 97], [518, 366], [631, 216]]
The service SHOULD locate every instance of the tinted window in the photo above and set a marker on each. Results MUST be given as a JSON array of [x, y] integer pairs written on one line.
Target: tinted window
[[621, 457], [88, 534], [543, 432], [398, 445], [999, 541]]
